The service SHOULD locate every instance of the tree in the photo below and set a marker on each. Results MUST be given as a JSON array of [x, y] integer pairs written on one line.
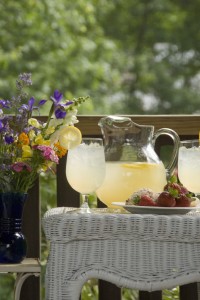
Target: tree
[[161, 42], [133, 56], [60, 43]]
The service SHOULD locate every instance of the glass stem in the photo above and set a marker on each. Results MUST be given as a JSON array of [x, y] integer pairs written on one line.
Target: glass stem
[[85, 201]]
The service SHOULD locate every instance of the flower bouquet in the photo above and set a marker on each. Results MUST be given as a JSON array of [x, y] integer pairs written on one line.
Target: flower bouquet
[[29, 146]]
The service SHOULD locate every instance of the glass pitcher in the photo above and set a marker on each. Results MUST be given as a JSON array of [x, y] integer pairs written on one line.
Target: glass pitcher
[[131, 161]]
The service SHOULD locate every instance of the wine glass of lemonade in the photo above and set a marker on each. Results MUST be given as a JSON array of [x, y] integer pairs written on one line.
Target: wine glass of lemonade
[[85, 169], [189, 165]]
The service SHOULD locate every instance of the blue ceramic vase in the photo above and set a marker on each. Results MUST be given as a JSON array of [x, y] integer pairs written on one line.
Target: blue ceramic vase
[[13, 245]]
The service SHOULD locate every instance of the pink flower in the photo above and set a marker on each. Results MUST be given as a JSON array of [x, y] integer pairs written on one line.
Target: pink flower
[[21, 166], [48, 153]]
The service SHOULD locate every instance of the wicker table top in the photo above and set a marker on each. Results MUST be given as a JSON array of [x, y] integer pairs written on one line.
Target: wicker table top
[[103, 224]]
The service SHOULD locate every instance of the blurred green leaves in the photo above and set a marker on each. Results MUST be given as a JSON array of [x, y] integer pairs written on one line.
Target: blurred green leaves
[[129, 56]]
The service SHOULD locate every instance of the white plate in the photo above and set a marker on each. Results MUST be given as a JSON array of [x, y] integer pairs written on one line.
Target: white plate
[[155, 209]]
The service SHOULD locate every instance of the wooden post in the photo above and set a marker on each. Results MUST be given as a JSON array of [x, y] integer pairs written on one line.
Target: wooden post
[[31, 229], [66, 196], [189, 291], [143, 295]]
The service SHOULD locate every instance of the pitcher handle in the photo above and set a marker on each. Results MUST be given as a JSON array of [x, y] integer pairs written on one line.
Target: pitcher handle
[[176, 140]]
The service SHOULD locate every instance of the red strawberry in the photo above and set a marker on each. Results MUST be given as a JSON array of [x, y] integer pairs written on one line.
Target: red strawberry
[[184, 190], [173, 187], [145, 200], [182, 201], [165, 199]]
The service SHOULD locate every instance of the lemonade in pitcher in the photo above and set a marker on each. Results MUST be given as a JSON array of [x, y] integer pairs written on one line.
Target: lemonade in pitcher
[[131, 160], [124, 178]]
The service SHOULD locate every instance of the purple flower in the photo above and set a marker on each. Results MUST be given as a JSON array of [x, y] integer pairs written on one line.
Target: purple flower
[[48, 153], [60, 111], [1, 125], [5, 167], [42, 102], [29, 106], [9, 139], [26, 78], [4, 124], [4, 103], [57, 97], [58, 107], [21, 166]]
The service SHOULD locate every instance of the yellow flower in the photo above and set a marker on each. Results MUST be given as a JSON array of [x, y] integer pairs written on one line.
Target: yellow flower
[[60, 151], [23, 139], [26, 151], [34, 122], [31, 134], [50, 130], [39, 140]]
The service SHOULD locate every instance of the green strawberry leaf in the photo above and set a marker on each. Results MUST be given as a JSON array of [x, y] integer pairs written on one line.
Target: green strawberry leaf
[[136, 200], [173, 192], [173, 179]]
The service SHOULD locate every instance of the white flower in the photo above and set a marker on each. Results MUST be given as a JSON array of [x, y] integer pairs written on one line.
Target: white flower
[[34, 122], [54, 137], [71, 118], [55, 122]]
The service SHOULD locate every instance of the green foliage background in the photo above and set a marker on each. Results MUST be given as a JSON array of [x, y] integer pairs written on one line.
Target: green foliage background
[[131, 57]]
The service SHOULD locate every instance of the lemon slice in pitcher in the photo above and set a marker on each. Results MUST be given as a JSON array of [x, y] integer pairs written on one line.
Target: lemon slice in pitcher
[[138, 165], [70, 137]]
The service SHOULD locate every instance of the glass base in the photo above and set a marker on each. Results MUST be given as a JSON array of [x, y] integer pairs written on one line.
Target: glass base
[[82, 210]]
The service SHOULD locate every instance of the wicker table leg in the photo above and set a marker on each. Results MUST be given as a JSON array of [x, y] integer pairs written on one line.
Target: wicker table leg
[[72, 291], [21, 277]]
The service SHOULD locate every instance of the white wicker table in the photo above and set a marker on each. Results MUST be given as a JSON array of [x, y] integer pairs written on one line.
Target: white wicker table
[[144, 252], [28, 267]]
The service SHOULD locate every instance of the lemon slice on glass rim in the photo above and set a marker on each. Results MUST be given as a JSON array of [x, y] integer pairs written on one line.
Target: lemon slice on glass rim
[[70, 137]]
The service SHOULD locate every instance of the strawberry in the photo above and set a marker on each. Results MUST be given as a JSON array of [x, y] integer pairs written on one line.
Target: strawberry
[[145, 200], [165, 199], [173, 188], [184, 190], [183, 201]]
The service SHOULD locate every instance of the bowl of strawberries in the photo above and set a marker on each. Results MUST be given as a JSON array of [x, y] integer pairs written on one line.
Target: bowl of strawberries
[[174, 199]]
